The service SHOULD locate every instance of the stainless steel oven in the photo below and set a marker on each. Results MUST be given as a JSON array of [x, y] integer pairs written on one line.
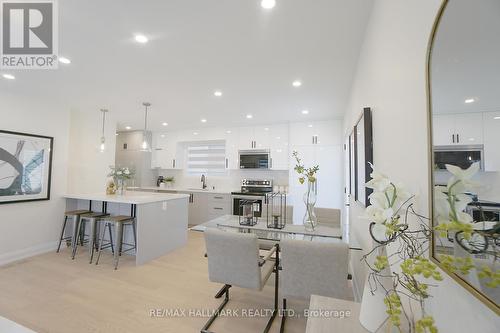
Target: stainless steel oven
[[252, 189], [254, 159]]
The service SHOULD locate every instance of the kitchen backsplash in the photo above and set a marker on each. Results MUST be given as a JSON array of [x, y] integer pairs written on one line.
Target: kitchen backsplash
[[230, 181]]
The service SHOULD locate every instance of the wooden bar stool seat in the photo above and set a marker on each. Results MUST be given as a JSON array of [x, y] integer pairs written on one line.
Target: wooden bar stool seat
[[91, 218], [75, 216], [118, 221]]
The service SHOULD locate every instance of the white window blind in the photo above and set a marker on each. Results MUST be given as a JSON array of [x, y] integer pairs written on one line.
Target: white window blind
[[206, 157]]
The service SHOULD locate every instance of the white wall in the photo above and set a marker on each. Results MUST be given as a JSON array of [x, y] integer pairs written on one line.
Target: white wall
[[33, 227], [391, 80], [87, 166]]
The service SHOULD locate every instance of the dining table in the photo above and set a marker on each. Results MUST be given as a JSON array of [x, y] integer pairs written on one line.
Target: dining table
[[321, 233]]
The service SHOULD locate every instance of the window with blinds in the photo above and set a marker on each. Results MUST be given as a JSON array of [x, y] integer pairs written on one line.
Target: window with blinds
[[206, 157]]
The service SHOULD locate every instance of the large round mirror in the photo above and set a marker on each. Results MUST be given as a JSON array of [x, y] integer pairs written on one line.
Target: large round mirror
[[464, 92]]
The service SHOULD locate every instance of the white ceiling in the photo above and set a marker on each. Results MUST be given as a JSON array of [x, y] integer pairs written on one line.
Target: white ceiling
[[197, 46], [466, 58]]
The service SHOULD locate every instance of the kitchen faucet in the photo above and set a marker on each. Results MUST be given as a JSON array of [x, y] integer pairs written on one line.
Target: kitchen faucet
[[204, 181]]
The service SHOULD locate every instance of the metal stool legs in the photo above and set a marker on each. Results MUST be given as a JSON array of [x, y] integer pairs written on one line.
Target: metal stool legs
[[61, 238]]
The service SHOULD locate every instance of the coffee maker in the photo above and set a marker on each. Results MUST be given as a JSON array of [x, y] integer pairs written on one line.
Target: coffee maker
[[159, 180]]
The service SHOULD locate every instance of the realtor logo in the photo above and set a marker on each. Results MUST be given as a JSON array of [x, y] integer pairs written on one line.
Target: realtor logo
[[29, 39]]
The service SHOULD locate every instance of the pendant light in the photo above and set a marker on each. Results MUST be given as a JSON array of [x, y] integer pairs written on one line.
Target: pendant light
[[145, 145], [102, 147]]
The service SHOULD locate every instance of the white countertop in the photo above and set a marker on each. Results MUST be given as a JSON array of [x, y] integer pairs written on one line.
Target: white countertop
[[178, 189], [130, 197]]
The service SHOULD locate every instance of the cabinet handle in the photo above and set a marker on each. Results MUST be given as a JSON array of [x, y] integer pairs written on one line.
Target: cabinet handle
[[218, 198], [173, 163], [271, 163], [313, 139], [218, 208], [453, 138], [227, 163], [458, 138]]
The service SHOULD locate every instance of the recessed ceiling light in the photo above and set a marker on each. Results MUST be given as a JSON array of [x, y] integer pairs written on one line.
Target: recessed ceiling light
[[310, 125], [203, 120], [9, 76], [163, 135], [128, 127], [469, 100], [296, 83], [305, 111], [164, 124], [249, 116], [116, 134], [266, 129], [228, 132], [278, 138], [195, 133], [141, 39], [268, 4], [497, 118], [64, 60], [218, 93]]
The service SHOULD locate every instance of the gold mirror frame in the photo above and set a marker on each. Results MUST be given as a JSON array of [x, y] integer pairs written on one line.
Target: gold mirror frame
[[484, 299]]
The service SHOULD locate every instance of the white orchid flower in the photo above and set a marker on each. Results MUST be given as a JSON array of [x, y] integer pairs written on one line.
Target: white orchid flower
[[379, 181], [379, 232], [462, 178], [119, 173], [441, 203], [378, 215], [379, 200], [127, 172]]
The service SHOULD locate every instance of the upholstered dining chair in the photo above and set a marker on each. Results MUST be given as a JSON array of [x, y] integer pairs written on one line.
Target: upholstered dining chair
[[330, 217], [234, 260], [313, 268]]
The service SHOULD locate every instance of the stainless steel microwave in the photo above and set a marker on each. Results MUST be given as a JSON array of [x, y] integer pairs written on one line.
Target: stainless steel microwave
[[461, 156], [254, 159]]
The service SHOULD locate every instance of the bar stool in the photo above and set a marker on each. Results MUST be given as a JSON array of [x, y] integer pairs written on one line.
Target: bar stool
[[90, 218], [119, 222], [75, 216]]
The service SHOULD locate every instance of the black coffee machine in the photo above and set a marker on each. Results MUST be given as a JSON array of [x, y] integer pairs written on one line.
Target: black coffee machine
[[159, 180]]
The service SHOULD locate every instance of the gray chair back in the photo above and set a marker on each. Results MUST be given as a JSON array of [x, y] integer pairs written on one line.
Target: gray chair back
[[233, 258], [328, 216], [314, 268]]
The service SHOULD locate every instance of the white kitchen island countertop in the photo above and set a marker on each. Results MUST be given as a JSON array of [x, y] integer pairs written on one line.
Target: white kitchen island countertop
[[130, 197], [181, 189]]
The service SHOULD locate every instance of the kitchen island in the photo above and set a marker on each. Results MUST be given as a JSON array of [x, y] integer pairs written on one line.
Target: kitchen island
[[162, 219]]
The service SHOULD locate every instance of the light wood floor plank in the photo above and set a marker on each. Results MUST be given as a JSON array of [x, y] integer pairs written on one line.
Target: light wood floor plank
[[53, 294]]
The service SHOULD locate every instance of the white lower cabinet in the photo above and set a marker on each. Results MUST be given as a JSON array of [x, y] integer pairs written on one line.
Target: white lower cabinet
[[204, 207]]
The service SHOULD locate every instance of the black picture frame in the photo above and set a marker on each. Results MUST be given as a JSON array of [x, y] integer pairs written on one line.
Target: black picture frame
[[363, 156], [47, 142]]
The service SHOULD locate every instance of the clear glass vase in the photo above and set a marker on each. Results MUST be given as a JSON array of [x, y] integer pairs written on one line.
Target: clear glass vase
[[310, 220], [120, 184]]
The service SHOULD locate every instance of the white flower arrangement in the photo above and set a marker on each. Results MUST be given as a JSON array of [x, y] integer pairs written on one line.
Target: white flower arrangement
[[121, 174]]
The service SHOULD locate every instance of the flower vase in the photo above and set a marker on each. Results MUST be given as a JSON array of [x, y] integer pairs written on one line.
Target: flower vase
[[120, 187], [310, 220]]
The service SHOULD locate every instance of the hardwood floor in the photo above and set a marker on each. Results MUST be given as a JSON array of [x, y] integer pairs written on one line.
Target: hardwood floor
[[52, 293]]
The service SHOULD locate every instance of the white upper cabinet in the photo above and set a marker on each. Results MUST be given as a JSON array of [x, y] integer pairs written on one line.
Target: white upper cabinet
[[469, 128], [262, 137], [458, 129], [279, 143], [324, 133], [246, 138], [165, 151], [443, 133], [491, 141]]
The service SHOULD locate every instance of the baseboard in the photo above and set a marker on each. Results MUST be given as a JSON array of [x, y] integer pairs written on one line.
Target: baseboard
[[13, 256]]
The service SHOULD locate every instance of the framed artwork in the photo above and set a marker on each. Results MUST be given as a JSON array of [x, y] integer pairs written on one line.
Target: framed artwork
[[363, 155], [25, 167]]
